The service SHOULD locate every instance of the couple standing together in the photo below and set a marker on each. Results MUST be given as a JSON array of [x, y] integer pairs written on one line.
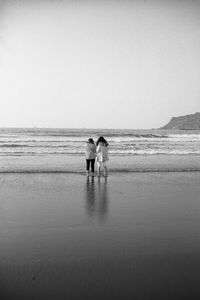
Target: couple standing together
[[98, 152]]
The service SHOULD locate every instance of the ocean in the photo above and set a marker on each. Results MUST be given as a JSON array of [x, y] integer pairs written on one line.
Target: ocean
[[122, 142]]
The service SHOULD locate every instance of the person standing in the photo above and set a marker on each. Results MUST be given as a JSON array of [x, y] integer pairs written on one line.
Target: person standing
[[90, 155], [102, 155]]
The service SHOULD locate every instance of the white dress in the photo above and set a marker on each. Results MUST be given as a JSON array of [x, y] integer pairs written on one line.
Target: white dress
[[102, 153]]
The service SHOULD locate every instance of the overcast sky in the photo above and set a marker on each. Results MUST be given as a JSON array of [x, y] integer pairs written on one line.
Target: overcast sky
[[98, 64]]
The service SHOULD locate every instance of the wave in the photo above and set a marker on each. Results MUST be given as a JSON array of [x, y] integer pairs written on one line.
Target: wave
[[22, 153], [119, 153], [32, 146], [28, 140], [86, 135], [113, 139], [111, 171], [155, 152], [13, 145]]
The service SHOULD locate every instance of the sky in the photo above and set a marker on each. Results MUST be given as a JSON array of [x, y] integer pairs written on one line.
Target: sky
[[98, 64]]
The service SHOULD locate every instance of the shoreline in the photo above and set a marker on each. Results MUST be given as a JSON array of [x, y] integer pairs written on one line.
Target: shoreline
[[110, 171], [75, 164]]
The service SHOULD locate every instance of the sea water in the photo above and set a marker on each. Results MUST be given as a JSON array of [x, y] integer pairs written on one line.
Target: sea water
[[123, 142]]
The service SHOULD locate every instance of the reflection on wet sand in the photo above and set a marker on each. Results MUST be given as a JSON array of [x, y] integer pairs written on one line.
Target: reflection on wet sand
[[96, 198]]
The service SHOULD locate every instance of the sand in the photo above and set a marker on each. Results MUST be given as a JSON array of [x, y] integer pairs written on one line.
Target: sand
[[132, 236]]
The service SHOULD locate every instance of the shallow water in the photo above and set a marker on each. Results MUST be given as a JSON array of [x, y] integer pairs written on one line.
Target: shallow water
[[75, 164], [132, 236]]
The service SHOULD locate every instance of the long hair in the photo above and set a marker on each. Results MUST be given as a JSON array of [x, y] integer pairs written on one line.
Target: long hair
[[102, 140], [91, 141]]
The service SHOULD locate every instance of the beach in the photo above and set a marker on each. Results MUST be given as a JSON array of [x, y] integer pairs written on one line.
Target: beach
[[134, 235]]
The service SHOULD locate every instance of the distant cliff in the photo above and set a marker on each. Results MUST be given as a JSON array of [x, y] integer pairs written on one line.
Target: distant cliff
[[188, 122]]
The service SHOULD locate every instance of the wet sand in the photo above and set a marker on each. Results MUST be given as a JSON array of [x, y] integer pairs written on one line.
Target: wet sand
[[132, 236], [76, 163]]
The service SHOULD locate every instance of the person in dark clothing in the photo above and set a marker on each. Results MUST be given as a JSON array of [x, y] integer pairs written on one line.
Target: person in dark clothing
[[90, 155]]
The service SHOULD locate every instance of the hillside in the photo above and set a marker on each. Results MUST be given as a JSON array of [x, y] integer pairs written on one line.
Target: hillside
[[188, 122]]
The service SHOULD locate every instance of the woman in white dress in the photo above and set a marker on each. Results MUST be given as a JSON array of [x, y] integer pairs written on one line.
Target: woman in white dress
[[102, 155]]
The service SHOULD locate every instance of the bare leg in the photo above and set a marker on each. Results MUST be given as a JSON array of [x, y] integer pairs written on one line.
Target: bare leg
[[105, 171], [98, 171]]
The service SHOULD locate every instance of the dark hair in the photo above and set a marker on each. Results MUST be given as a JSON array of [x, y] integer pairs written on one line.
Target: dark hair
[[102, 140], [91, 141]]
